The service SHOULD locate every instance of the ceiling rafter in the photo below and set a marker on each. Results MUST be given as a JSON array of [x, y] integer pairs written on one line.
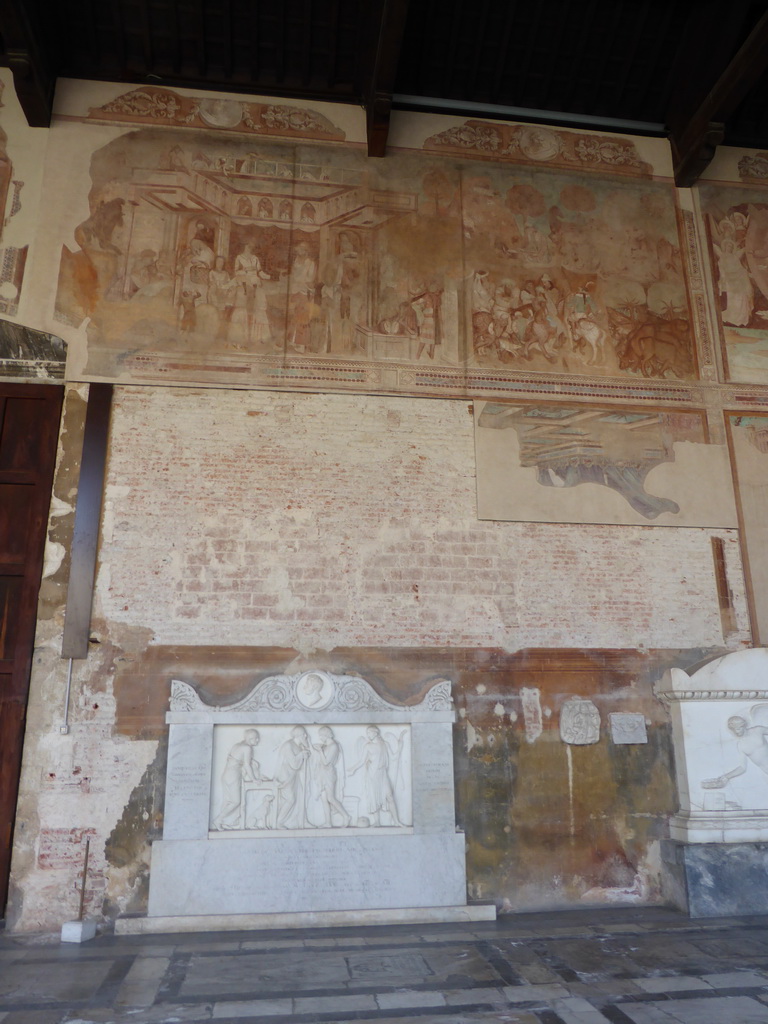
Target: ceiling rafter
[[25, 53], [698, 127], [386, 53]]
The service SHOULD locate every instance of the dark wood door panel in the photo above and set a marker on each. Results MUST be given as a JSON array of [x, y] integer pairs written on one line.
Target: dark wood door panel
[[18, 519], [27, 432], [10, 608], [29, 425]]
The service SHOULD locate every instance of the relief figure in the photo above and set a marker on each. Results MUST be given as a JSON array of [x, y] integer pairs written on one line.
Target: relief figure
[[240, 769], [752, 742], [328, 777], [292, 780], [376, 755]]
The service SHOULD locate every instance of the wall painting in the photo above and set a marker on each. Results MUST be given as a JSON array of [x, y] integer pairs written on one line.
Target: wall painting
[[569, 463], [227, 259]]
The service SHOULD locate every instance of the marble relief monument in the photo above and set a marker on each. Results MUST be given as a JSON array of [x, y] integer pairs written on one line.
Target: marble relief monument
[[311, 799]]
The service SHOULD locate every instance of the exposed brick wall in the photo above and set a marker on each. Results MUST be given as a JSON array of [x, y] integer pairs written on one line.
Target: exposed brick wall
[[314, 521]]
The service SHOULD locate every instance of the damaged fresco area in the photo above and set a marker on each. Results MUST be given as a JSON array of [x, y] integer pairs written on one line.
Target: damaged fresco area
[[557, 807], [531, 457], [233, 260]]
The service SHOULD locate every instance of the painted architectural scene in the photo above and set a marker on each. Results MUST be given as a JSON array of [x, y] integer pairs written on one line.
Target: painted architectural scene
[[737, 232], [262, 253], [548, 453]]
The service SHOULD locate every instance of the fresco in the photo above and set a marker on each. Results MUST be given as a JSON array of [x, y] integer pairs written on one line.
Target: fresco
[[748, 436], [213, 252], [737, 232], [13, 256], [543, 462]]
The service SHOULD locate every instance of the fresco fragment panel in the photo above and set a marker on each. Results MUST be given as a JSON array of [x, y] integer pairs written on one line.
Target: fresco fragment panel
[[567, 463], [737, 233], [218, 258]]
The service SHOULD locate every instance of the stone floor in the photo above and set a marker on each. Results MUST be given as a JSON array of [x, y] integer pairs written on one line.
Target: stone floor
[[624, 966]]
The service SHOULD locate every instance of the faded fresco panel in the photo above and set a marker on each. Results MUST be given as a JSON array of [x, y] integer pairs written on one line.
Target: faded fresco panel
[[737, 232], [552, 463], [749, 443], [576, 275], [21, 157], [213, 257]]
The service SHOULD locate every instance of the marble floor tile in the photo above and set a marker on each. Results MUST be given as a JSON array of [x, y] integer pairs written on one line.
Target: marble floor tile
[[726, 1010]]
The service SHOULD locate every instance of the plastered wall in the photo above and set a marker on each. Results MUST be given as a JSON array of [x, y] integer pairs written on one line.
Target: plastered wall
[[248, 533], [309, 499]]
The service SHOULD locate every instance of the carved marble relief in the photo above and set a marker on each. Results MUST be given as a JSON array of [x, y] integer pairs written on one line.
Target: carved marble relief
[[206, 258], [302, 778], [720, 729], [310, 793], [579, 722], [628, 727]]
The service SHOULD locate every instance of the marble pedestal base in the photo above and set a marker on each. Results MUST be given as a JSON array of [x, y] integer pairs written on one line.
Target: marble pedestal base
[[276, 875], [329, 919], [716, 879]]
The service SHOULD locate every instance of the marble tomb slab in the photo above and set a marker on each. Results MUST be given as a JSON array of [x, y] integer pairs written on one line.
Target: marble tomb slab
[[311, 795]]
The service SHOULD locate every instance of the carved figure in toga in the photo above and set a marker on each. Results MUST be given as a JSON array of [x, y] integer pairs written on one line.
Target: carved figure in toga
[[329, 786], [378, 786], [241, 767], [292, 781]]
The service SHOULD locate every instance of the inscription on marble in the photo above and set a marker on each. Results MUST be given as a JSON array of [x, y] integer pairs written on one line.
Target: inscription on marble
[[627, 727], [187, 782], [337, 867], [579, 722]]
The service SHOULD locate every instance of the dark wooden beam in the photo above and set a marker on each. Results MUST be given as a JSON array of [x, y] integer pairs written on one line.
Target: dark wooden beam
[[90, 492], [697, 121], [24, 52], [389, 29]]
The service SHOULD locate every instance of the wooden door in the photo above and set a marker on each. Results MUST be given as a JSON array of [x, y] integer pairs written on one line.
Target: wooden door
[[29, 427]]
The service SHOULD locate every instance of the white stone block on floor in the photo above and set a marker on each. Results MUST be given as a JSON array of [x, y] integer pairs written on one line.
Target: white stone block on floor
[[78, 931]]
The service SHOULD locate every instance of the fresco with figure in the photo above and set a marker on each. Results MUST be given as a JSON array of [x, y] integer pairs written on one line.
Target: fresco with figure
[[264, 254], [547, 462], [737, 232]]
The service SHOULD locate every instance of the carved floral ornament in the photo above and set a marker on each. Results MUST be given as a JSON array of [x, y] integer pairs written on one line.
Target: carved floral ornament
[[540, 145], [155, 105], [741, 676], [754, 167], [308, 691]]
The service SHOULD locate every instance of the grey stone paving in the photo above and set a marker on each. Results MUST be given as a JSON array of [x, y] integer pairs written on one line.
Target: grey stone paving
[[631, 966]]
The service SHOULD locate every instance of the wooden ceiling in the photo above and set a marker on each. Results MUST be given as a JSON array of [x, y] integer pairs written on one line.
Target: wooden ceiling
[[695, 70]]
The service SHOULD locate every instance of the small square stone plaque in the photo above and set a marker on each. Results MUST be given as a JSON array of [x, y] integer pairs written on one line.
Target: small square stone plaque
[[628, 727]]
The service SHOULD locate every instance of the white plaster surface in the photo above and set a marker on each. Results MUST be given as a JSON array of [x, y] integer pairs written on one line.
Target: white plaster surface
[[270, 876]]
